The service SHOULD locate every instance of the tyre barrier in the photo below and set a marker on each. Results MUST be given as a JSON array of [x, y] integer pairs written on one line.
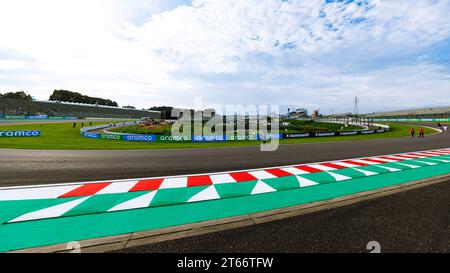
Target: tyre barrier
[[105, 134]]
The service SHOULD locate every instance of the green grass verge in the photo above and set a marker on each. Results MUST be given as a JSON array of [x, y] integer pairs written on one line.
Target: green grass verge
[[61, 136]]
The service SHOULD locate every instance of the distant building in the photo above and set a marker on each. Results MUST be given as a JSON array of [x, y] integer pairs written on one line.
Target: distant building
[[315, 114], [438, 112], [299, 113]]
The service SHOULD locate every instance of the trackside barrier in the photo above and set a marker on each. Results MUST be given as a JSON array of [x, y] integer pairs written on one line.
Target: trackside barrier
[[39, 117], [20, 133], [105, 134], [413, 119]]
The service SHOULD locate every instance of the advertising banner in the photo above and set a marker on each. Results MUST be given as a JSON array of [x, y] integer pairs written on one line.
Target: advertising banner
[[165, 138], [242, 137], [90, 135], [20, 133], [270, 136], [38, 117], [209, 138], [139, 138], [15, 117]]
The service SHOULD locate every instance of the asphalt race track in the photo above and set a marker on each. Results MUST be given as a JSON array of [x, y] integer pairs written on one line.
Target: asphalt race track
[[25, 167]]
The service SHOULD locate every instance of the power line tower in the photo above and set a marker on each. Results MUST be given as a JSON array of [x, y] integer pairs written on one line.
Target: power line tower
[[356, 107]]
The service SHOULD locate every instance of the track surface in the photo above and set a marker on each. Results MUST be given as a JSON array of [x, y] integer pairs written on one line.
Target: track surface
[[25, 167], [411, 221]]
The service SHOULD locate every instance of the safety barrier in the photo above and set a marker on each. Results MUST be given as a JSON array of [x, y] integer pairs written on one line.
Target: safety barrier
[[413, 119], [40, 117], [102, 132]]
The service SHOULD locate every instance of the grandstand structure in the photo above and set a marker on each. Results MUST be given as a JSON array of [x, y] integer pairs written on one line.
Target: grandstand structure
[[424, 113], [18, 108]]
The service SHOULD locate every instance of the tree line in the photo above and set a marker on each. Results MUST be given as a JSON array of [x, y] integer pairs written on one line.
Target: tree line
[[74, 97], [21, 95]]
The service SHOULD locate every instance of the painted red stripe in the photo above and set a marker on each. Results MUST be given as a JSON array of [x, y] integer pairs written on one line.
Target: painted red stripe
[[421, 155], [431, 153], [355, 163], [334, 166], [147, 185], [278, 172], [438, 153], [308, 169], [194, 181], [375, 160], [86, 190], [243, 176], [391, 158], [406, 156], [413, 155]]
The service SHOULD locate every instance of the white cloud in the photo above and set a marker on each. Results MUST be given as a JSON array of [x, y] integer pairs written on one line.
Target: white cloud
[[163, 52]]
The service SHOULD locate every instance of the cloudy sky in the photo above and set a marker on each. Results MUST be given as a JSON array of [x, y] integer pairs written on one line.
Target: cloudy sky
[[393, 54]]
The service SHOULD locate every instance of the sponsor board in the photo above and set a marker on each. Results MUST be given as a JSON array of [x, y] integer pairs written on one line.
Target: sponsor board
[[269, 136], [39, 117], [242, 138], [90, 135], [349, 133], [165, 138], [209, 138], [325, 134], [139, 138], [110, 137], [20, 133], [301, 135]]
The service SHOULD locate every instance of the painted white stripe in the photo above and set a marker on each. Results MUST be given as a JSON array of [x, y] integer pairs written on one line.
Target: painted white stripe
[[294, 171], [400, 158], [321, 167], [172, 183], [426, 155], [348, 165], [52, 212], [303, 182], [35, 193], [365, 172], [262, 187], [262, 175], [440, 160], [427, 163], [209, 193], [387, 160], [437, 152], [409, 165], [339, 177], [432, 154], [365, 162], [222, 179], [119, 187], [389, 168], [136, 203]]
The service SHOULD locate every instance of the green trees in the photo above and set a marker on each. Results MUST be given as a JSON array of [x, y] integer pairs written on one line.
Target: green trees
[[21, 95], [166, 111], [69, 96]]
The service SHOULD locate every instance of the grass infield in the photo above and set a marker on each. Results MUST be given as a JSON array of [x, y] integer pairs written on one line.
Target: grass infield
[[61, 136]]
